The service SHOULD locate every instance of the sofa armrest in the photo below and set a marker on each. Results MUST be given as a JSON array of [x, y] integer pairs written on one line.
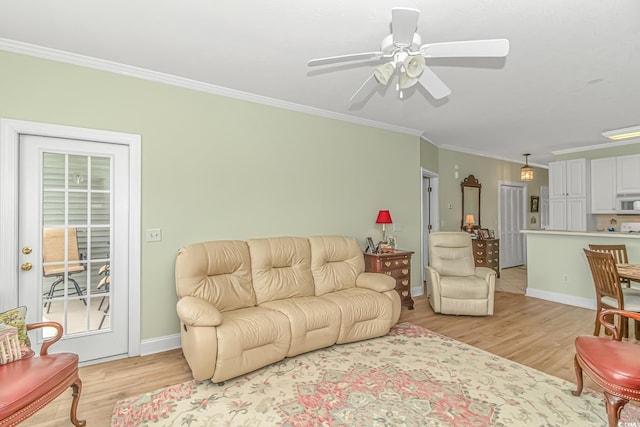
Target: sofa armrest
[[194, 311], [376, 282], [484, 273]]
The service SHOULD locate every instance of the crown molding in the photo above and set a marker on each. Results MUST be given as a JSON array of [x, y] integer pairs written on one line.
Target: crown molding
[[614, 144], [483, 154], [145, 74]]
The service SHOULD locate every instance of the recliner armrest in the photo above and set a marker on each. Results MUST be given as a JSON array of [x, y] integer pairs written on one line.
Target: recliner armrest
[[484, 273], [194, 311], [376, 282]]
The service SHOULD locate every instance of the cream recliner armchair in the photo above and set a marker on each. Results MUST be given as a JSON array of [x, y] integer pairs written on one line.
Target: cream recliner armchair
[[454, 284]]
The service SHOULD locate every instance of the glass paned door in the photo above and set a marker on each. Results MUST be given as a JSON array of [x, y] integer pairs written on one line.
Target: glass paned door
[[76, 239], [73, 232]]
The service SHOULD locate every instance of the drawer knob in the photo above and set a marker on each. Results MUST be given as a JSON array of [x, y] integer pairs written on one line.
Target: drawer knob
[[480, 261], [405, 261], [405, 271], [388, 273], [405, 293], [387, 263], [481, 245], [405, 282]]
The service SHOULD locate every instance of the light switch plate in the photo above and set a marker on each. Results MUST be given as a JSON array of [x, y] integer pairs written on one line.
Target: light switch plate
[[153, 235]]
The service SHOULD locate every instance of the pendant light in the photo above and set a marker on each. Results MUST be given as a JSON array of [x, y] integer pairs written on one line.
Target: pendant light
[[526, 173]]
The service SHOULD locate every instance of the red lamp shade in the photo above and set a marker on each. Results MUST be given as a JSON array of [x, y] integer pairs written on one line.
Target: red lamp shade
[[384, 217]]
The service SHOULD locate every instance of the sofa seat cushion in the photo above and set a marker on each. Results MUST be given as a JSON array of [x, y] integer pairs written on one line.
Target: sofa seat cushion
[[364, 313], [248, 339], [463, 287], [38, 377], [315, 322]]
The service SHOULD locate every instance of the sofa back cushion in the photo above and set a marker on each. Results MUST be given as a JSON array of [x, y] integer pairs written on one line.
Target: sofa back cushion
[[451, 253], [336, 262], [218, 272], [280, 268]]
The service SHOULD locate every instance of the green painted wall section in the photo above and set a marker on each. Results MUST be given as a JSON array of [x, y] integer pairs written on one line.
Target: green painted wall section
[[552, 256], [489, 172], [220, 168], [429, 156]]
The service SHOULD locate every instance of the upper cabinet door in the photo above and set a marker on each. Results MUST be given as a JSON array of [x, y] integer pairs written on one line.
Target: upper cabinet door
[[576, 178], [557, 180], [628, 174], [603, 185]]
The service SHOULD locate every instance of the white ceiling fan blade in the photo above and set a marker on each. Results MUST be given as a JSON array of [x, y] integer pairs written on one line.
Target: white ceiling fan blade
[[471, 48], [363, 91], [404, 23], [345, 58], [433, 84]]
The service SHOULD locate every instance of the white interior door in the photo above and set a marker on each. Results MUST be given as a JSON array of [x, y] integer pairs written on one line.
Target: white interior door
[[73, 231], [512, 219], [430, 217]]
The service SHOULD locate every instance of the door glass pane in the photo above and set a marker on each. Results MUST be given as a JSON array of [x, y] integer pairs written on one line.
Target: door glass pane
[[76, 242]]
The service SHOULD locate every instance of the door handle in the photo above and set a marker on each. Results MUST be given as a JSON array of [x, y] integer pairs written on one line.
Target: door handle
[[26, 266], [26, 250]]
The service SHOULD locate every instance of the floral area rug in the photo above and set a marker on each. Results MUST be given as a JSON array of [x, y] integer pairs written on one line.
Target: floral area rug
[[411, 377]]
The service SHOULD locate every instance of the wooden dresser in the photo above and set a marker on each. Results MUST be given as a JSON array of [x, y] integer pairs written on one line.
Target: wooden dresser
[[486, 253], [397, 265]]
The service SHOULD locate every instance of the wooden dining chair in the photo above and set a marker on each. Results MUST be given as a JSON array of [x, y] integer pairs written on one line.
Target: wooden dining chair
[[610, 363], [609, 292], [619, 253]]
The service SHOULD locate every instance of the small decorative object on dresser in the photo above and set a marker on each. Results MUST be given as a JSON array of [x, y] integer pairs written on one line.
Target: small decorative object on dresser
[[486, 253], [492, 235], [396, 264], [392, 241]]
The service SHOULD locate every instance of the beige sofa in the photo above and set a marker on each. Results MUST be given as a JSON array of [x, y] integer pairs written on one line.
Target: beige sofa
[[245, 304]]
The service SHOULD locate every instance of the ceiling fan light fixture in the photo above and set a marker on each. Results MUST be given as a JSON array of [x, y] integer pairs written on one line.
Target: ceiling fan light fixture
[[526, 172], [624, 133], [384, 72], [414, 65], [405, 81]]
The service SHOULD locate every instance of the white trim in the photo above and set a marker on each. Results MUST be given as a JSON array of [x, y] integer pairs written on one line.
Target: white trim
[[596, 147], [561, 298], [435, 220], [160, 344], [142, 73], [10, 131], [489, 156]]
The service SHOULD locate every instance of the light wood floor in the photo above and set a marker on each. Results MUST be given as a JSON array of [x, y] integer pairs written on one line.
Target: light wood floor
[[530, 331]]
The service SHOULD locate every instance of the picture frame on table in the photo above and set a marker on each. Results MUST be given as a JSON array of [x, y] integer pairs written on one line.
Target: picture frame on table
[[392, 241], [535, 202], [483, 233], [492, 235], [371, 247]]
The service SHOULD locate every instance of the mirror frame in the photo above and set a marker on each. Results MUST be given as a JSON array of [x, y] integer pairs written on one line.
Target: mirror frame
[[472, 182]]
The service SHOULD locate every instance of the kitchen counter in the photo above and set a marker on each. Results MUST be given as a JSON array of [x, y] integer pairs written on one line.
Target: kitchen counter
[[615, 234], [557, 268]]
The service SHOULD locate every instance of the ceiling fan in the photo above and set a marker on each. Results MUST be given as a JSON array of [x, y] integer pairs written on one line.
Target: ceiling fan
[[404, 56]]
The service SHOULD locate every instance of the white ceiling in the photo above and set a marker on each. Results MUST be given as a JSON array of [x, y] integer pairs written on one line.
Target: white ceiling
[[571, 73]]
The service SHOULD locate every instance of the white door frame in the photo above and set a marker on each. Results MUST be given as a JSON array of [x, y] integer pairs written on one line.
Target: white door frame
[[525, 197], [434, 207], [10, 131]]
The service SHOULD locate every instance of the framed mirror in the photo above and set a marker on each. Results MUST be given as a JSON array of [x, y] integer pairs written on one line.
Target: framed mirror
[[470, 204]]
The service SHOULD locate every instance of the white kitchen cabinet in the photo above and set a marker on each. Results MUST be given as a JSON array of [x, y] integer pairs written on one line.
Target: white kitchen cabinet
[[628, 174], [570, 195], [603, 185]]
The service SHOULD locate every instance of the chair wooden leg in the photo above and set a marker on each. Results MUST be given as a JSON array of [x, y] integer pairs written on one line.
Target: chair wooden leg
[[578, 370], [77, 389], [614, 406]]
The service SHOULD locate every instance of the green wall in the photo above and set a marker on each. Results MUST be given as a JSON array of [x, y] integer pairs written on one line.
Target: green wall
[[221, 168], [622, 150], [489, 172]]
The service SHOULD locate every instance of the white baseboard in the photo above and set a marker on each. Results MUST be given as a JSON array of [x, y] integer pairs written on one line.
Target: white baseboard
[[160, 344], [582, 302]]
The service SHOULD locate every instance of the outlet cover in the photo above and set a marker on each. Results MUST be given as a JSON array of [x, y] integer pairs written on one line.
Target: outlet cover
[[153, 235]]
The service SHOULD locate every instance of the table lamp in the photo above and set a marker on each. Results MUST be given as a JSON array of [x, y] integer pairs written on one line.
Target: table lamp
[[384, 217], [470, 220]]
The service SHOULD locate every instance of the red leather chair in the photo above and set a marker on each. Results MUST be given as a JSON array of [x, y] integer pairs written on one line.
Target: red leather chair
[[610, 363], [27, 385]]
